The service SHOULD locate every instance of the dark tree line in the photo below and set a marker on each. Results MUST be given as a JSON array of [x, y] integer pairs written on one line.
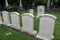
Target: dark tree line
[[29, 3]]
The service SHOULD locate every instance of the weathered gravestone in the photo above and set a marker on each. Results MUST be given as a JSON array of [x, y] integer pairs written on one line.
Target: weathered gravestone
[[40, 10], [6, 2], [0, 19], [28, 23], [31, 11], [46, 26], [15, 20], [21, 4], [6, 18]]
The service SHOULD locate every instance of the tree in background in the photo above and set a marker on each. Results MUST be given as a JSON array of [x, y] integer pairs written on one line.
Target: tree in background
[[27, 3], [31, 3], [2, 5]]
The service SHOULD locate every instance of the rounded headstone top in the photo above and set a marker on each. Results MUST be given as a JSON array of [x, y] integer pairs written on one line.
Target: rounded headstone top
[[16, 13], [47, 15], [28, 14], [41, 6], [5, 12]]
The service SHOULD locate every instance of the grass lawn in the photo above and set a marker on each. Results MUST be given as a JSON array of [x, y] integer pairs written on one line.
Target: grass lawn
[[15, 35]]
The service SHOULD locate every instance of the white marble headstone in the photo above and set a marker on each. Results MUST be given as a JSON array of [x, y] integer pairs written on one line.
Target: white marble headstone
[[28, 23], [6, 2], [40, 10], [21, 4], [31, 11], [15, 20], [0, 19], [6, 18], [46, 26]]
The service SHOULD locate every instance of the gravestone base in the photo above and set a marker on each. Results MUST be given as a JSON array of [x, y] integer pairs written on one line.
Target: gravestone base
[[31, 33], [6, 24], [15, 27], [44, 38], [40, 37]]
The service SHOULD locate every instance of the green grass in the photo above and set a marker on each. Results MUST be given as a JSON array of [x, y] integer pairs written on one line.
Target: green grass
[[16, 35]]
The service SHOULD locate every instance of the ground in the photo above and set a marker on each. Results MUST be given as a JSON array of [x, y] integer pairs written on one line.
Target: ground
[[17, 35]]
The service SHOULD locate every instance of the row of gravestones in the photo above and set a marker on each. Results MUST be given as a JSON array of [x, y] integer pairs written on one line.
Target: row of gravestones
[[46, 23]]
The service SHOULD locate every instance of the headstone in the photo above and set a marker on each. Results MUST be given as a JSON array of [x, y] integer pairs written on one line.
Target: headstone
[[48, 5], [6, 3], [40, 10], [0, 19], [21, 5], [6, 18], [31, 11], [28, 24], [15, 20], [46, 26], [33, 5]]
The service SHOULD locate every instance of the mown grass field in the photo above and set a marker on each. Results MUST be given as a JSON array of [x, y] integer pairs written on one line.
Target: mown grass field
[[17, 35]]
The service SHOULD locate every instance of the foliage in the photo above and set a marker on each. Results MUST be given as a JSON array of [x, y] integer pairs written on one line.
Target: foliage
[[29, 3]]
